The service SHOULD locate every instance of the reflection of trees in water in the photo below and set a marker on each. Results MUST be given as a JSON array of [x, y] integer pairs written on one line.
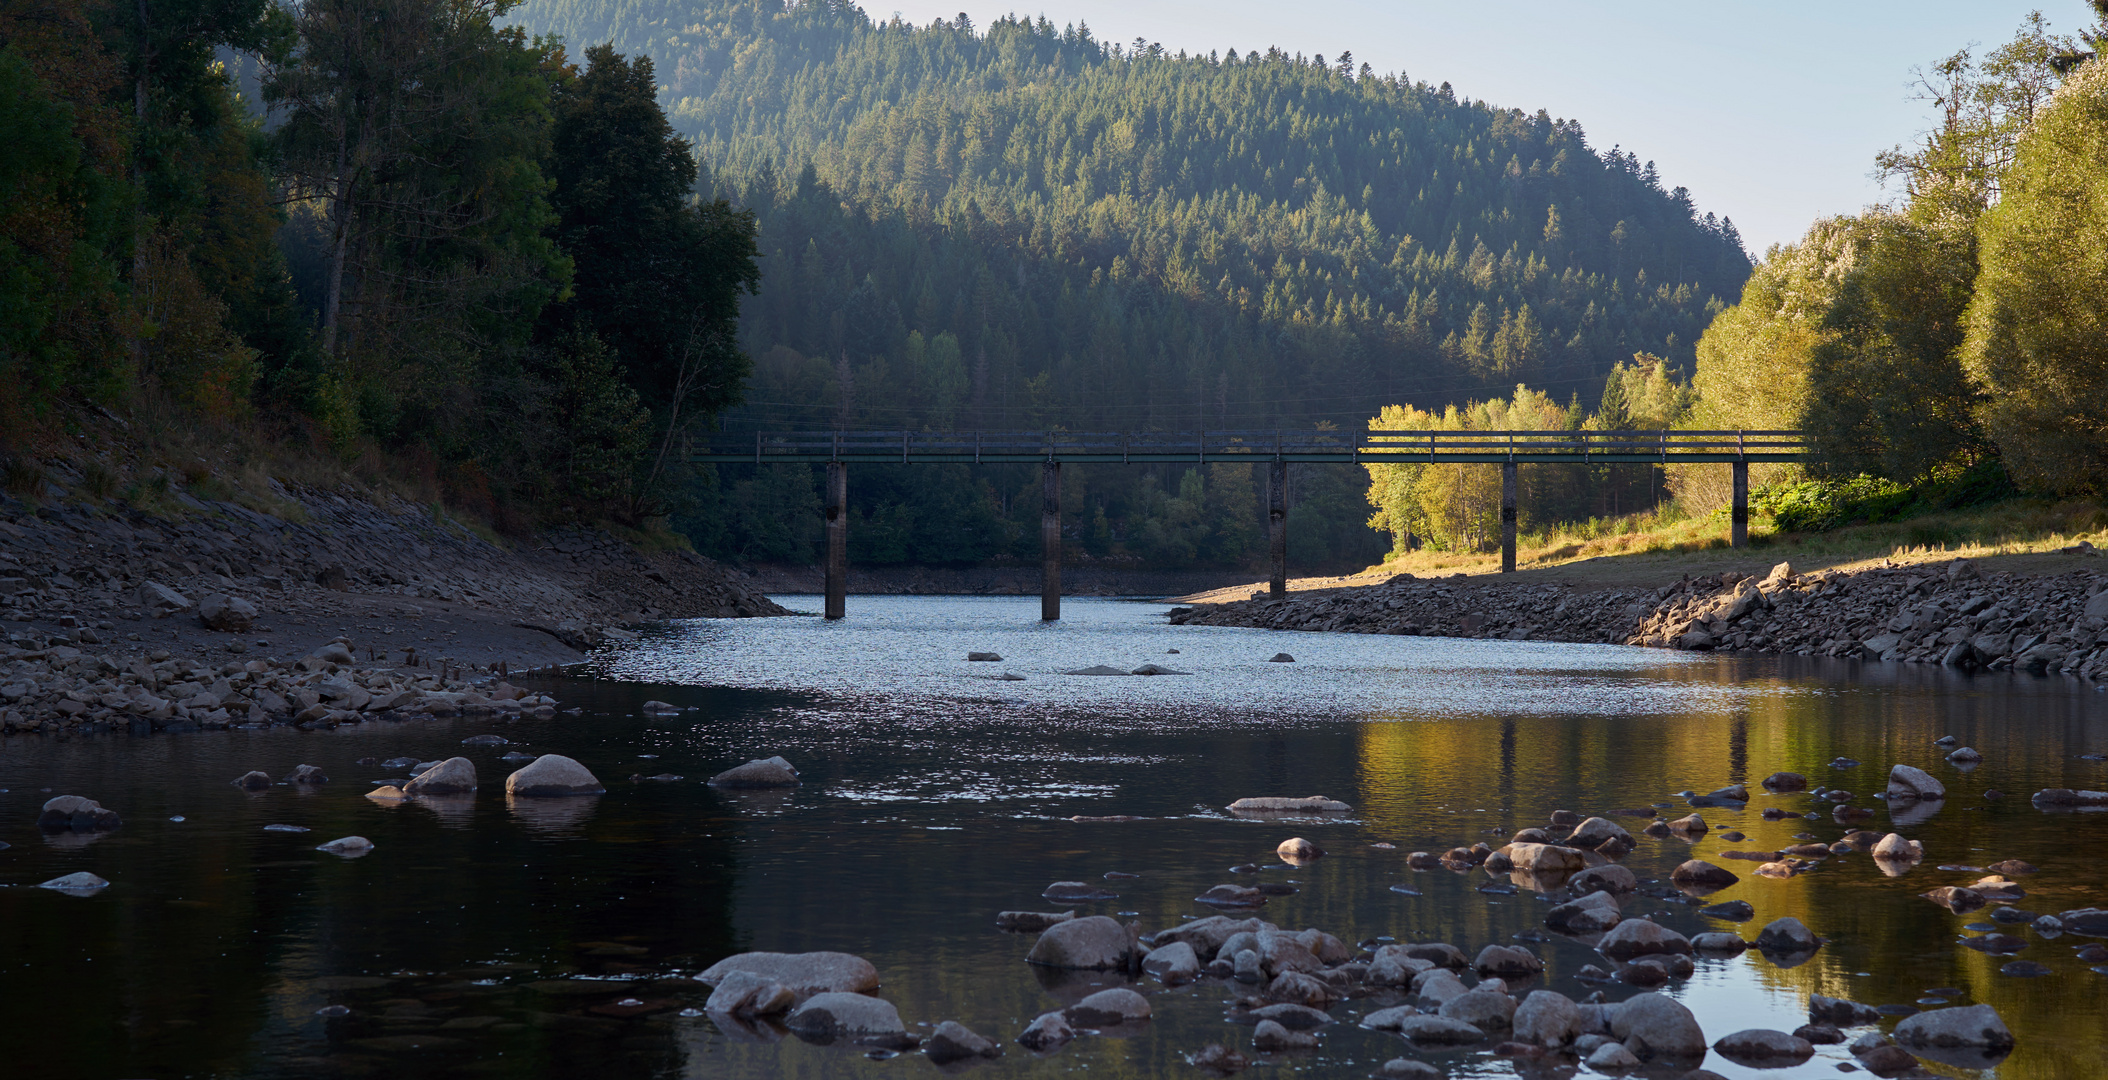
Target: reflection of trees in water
[[2030, 731]]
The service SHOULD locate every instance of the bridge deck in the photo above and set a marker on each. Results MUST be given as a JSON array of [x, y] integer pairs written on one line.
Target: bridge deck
[[1377, 447]]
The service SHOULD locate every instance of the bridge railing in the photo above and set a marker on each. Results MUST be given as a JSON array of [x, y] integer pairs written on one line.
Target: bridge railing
[[1404, 447]]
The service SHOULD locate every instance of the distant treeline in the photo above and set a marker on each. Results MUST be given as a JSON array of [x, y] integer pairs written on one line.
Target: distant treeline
[[1020, 226]]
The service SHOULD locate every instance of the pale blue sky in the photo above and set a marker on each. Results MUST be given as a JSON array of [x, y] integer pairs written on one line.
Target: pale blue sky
[[1769, 112]]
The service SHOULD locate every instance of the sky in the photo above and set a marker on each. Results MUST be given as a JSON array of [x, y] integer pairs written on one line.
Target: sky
[[1770, 112]]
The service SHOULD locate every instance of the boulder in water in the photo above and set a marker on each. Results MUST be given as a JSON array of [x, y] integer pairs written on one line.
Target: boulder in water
[[1907, 782], [1276, 804], [454, 776], [1047, 1033], [1096, 943], [347, 846], [805, 973], [76, 813], [1281, 658], [747, 993], [1097, 669], [80, 884], [550, 776], [859, 1016], [253, 780], [759, 773], [953, 1041]]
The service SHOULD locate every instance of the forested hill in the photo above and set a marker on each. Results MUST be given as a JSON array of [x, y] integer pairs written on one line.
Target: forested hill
[[1019, 225]]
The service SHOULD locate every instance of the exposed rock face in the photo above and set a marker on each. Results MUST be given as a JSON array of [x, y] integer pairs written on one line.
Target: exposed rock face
[[804, 973], [759, 773], [550, 776], [454, 776], [835, 1014], [76, 813], [1093, 943]]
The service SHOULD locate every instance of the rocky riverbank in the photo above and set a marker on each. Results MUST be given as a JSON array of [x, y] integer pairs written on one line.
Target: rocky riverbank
[[1952, 613], [204, 614]]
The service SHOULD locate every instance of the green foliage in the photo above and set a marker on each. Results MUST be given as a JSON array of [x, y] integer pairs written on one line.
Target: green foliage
[[1886, 391], [2038, 332], [1824, 505], [63, 214]]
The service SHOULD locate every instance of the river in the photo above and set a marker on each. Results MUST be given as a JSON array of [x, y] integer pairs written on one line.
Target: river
[[509, 940]]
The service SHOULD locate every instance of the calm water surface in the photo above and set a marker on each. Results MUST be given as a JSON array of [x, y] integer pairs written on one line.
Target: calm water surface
[[495, 939]]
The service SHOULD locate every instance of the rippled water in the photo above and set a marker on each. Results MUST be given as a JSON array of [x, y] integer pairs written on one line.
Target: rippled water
[[484, 938]]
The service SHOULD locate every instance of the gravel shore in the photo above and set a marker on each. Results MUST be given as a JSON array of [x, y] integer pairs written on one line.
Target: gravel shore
[[106, 607], [1952, 613]]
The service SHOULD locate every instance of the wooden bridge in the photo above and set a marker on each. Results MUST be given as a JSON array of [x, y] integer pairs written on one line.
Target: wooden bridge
[[1051, 449]]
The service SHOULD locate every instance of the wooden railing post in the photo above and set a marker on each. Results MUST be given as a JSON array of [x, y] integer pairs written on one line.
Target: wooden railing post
[[1507, 516], [1050, 541], [837, 539], [1277, 527], [1738, 514]]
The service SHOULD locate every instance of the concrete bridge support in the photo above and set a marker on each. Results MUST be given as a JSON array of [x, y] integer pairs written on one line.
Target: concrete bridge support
[[1277, 528], [1050, 542], [837, 539], [1507, 517], [1738, 514]]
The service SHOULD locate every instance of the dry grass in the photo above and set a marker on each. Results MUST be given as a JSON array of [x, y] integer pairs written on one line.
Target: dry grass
[[2003, 531]]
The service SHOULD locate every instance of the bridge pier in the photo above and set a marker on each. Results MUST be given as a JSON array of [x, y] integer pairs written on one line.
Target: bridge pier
[[1507, 517], [1277, 528], [837, 539], [1050, 542], [1738, 514]]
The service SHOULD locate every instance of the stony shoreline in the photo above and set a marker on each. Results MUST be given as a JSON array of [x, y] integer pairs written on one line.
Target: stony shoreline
[[1953, 613], [216, 613]]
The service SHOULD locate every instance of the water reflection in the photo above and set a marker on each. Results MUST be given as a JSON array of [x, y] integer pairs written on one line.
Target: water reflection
[[553, 817], [505, 937]]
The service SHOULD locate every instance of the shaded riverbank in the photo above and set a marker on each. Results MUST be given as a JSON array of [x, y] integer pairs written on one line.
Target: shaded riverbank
[[101, 601]]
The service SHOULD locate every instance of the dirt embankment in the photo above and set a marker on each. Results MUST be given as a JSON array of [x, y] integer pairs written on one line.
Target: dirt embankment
[[108, 610], [1955, 613]]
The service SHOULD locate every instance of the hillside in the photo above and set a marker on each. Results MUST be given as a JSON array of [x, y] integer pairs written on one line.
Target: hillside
[[1021, 226]]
